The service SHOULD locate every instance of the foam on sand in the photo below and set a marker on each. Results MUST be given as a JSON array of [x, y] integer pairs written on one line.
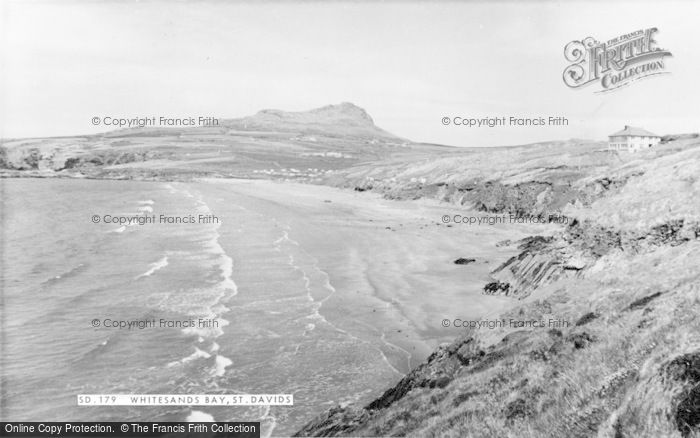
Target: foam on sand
[[268, 423], [198, 354], [199, 417], [220, 365], [207, 303]]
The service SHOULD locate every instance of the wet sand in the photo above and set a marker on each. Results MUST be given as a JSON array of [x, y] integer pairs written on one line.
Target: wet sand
[[389, 265]]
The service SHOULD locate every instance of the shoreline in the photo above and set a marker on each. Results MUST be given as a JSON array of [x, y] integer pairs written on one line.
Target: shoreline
[[410, 317], [392, 256]]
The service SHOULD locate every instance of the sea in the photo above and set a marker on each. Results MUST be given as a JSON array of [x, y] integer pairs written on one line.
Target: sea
[[80, 275]]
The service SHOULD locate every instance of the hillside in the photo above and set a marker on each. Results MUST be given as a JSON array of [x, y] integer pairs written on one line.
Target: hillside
[[622, 275], [342, 120], [302, 146]]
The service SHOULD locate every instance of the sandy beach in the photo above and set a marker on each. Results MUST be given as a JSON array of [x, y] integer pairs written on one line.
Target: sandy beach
[[382, 270], [341, 293], [328, 294]]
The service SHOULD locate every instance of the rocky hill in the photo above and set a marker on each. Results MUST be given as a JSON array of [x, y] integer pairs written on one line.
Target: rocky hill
[[303, 146], [342, 120]]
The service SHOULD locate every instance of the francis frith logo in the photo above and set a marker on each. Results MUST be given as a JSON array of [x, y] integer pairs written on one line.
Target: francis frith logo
[[616, 62]]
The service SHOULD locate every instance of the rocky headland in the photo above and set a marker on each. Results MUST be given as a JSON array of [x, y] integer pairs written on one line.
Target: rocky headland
[[606, 340]]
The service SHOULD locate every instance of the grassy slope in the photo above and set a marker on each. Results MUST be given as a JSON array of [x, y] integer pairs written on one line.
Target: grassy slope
[[630, 367]]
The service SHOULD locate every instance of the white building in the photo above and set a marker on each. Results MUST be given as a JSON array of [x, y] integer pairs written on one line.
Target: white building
[[632, 139]]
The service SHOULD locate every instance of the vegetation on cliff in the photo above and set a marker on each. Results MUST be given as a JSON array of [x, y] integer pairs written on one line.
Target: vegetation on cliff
[[616, 351]]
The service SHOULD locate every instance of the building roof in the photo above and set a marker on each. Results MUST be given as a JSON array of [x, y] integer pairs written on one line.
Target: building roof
[[635, 132]]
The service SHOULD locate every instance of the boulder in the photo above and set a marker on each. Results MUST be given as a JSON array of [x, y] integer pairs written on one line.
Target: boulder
[[463, 261]]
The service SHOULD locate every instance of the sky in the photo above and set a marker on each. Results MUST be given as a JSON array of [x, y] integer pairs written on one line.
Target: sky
[[408, 64]]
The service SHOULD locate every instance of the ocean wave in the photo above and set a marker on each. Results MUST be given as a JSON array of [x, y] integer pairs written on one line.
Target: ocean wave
[[292, 248], [395, 347], [199, 417], [160, 264], [198, 354], [312, 274], [207, 303], [221, 363], [65, 275]]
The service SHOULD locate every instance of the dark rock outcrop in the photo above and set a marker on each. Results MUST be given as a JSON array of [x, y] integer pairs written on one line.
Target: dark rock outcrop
[[685, 369], [581, 340], [529, 199], [543, 260], [538, 263], [435, 372], [642, 302], [585, 319], [518, 408], [497, 288], [463, 261], [688, 412], [334, 422]]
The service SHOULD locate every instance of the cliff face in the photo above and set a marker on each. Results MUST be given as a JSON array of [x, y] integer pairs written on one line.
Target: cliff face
[[541, 180], [615, 347], [544, 260]]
